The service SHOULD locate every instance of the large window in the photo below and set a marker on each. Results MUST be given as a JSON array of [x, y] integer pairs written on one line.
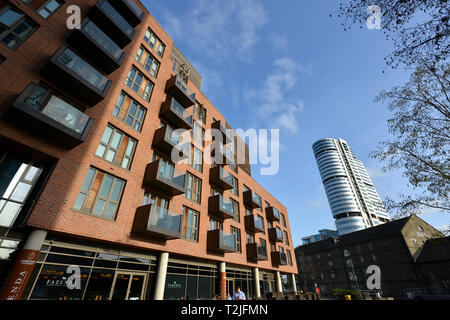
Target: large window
[[147, 61], [235, 189], [116, 147], [237, 233], [15, 27], [283, 220], [99, 195], [45, 8], [286, 238], [139, 83], [150, 198], [199, 112], [193, 188], [190, 224], [198, 134], [237, 216], [154, 42], [215, 224], [129, 111], [289, 258], [196, 158]]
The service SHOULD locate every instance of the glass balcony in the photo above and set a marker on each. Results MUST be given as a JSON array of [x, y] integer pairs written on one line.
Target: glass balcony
[[174, 113], [275, 235], [251, 199], [130, 11], [272, 214], [179, 90], [221, 178], [38, 108], [227, 134], [68, 70], [221, 241], [165, 139], [154, 221], [254, 223], [92, 42], [162, 176], [112, 23], [256, 252], [278, 258], [221, 207]]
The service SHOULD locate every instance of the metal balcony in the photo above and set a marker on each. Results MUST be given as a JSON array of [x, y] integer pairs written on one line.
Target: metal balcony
[[221, 207], [220, 241], [251, 199], [278, 258], [272, 214], [227, 134], [175, 114], [162, 176], [256, 253], [275, 235], [151, 220], [129, 10], [221, 178], [179, 90], [254, 223]]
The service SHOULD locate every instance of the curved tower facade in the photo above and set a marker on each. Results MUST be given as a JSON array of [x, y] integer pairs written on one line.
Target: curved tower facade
[[353, 200]]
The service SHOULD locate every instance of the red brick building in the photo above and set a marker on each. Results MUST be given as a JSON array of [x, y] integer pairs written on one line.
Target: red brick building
[[86, 177]]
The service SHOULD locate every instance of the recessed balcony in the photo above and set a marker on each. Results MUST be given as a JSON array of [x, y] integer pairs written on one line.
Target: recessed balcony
[[162, 176], [175, 114], [129, 10], [165, 139], [178, 89], [251, 199], [278, 258], [70, 71], [221, 178], [94, 44], [153, 221], [44, 112], [221, 207], [112, 23], [275, 235], [227, 134], [272, 214], [254, 223], [256, 253], [221, 241]]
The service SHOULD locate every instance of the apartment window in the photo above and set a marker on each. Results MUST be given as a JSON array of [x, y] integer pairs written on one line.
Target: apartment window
[[283, 220], [246, 188], [99, 195], [174, 66], [154, 42], [198, 134], [273, 248], [116, 147], [215, 192], [129, 111], [263, 243], [286, 239], [190, 225], [45, 8], [250, 238], [332, 275], [215, 224], [139, 83], [237, 233], [289, 258], [248, 212], [235, 189], [15, 27], [199, 112], [193, 188], [147, 61], [196, 158], [266, 204], [150, 198], [237, 216]]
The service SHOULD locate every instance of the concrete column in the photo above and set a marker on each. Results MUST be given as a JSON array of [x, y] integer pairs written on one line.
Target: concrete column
[[223, 280], [23, 266], [278, 282], [161, 276], [256, 281], [294, 285]]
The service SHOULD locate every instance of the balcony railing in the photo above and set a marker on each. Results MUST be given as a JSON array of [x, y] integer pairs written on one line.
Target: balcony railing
[[256, 252], [179, 90], [251, 199], [39, 109], [70, 71], [275, 235], [272, 214], [221, 178], [130, 11], [162, 176], [278, 258], [92, 42], [174, 113], [221, 241], [221, 207], [254, 223], [227, 134], [112, 23], [151, 220]]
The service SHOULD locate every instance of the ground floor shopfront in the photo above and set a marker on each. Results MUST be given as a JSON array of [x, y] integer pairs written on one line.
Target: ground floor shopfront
[[115, 273]]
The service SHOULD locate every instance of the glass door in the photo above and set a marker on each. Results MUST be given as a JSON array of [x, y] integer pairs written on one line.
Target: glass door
[[230, 287], [128, 286]]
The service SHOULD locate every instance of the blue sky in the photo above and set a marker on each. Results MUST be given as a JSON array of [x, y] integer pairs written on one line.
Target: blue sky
[[292, 67]]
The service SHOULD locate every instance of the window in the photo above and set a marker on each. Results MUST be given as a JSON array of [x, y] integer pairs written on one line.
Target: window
[[44, 8], [266, 204], [190, 225], [237, 233], [147, 61], [332, 275], [196, 158], [116, 147], [215, 192], [154, 42], [99, 195], [15, 27], [198, 134], [235, 189], [248, 212], [150, 198], [289, 258], [215, 224], [193, 188], [250, 238], [129, 111], [246, 188], [199, 112], [174, 66], [237, 216], [273, 247], [139, 84], [283, 220], [286, 238]]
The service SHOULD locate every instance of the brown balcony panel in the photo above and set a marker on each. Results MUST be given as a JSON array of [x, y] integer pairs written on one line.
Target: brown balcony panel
[[168, 186], [250, 201], [129, 10], [168, 227], [219, 241], [272, 214], [278, 259], [256, 253], [217, 206], [251, 224], [227, 135], [275, 235], [169, 113], [162, 142], [180, 91], [216, 177]]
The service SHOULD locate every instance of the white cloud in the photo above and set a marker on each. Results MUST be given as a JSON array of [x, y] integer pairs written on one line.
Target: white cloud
[[279, 42]]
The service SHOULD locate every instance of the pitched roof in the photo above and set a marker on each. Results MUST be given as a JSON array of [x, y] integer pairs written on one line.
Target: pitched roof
[[435, 250]]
